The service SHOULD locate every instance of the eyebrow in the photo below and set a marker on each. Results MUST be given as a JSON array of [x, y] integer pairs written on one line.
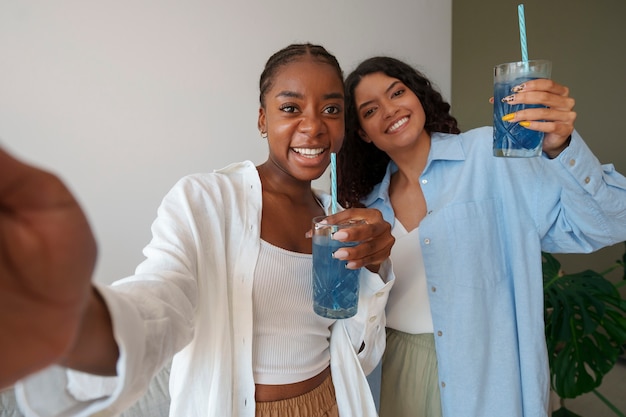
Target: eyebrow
[[391, 86], [293, 94]]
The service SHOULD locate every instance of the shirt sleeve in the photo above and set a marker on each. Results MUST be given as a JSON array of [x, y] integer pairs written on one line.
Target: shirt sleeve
[[589, 212], [152, 313], [58, 391]]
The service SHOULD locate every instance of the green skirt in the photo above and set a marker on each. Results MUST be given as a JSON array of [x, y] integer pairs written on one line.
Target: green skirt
[[409, 382]]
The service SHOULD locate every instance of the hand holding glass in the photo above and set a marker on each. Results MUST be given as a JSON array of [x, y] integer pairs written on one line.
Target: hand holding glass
[[512, 139], [335, 288]]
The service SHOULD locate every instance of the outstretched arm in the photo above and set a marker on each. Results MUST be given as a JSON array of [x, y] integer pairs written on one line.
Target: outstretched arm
[[47, 256]]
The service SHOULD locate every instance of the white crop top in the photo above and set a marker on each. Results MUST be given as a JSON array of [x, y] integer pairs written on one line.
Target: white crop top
[[408, 309], [291, 342]]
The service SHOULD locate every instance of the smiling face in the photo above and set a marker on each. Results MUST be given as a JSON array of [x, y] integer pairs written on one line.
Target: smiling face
[[390, 114], [303, 115]]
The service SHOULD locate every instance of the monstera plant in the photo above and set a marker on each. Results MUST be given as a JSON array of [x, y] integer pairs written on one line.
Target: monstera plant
[[585, 318]]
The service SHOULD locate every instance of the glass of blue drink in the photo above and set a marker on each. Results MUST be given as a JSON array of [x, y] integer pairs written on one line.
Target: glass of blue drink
[[512, 139], [335, 288]]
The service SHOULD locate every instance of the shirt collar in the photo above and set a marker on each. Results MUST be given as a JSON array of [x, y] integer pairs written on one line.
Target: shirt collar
[[443, 146]]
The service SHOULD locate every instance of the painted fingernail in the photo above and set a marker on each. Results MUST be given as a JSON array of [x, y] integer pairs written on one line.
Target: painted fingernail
[[524, 124], [518, 88], [340, 235], [508, 117], [340, 254], [508, 99]]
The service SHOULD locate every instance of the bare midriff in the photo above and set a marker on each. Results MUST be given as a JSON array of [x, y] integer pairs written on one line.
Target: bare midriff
[[265, 393]]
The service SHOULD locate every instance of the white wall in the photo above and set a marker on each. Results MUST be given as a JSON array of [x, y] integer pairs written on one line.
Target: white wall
[[122, 98]]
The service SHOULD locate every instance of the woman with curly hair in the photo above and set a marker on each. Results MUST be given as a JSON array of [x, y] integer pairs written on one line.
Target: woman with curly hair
[[465, 316]]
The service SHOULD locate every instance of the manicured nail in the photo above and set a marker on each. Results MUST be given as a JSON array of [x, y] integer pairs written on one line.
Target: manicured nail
[[340, 235], [351, 265], [524, 124], [508, 99], [508, 117], [518, 88], [340, 254]]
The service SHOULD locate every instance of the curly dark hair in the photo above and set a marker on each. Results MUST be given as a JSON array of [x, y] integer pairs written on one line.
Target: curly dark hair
[[362, 165]]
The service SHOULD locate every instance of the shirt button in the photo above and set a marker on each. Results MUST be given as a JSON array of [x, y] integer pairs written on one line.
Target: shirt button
[[587, 180], [430, 212], [424, 181], [427, 241], [572, 162], [433, 289], [439, 333], [443, 385], [372, 319]]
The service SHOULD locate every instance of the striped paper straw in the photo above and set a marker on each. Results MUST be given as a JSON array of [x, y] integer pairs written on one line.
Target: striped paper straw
[[522, 32], [333, 182]]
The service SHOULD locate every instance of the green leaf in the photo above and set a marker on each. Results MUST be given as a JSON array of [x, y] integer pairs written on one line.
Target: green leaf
[[585, 327]]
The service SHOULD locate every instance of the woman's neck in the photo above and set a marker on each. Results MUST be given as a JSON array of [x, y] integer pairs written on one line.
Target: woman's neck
[[405, 190], [289, 205], [276, 181], [411, 162]]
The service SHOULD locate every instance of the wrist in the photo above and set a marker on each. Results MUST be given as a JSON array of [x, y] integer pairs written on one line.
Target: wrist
[[556, 152]]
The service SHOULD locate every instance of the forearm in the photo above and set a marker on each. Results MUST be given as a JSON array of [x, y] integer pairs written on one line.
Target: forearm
[[589, 210], [95, 350], [553, 153]]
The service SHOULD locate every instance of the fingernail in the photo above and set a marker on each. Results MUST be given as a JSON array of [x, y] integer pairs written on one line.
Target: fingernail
[[340, 254], [340, 235], [524, 124], [508, 117], [518, 88], [508, 99], [351, 265]]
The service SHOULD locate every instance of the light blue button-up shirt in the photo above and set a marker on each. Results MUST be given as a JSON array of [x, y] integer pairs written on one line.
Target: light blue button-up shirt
[[488, 220]]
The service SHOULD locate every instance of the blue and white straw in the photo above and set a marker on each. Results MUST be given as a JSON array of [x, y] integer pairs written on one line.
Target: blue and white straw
[[333, 183], [522, 32]]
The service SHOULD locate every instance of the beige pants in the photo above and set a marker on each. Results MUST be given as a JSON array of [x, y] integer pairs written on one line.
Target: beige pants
[[409, 384], [320, 402]]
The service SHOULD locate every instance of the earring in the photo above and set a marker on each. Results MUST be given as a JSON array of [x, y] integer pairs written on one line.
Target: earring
[[264, 135]]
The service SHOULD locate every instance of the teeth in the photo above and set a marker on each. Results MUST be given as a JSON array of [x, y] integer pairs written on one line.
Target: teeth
[[398, 124], [308, 152]]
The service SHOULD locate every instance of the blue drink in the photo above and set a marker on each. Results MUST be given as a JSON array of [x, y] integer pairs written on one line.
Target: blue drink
[[511, 139], [335, 288]]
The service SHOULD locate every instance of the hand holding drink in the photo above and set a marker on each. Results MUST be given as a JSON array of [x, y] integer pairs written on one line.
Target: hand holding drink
[[531, 113], [512, 138], [342, 244], [555, 117], [335, 287]]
